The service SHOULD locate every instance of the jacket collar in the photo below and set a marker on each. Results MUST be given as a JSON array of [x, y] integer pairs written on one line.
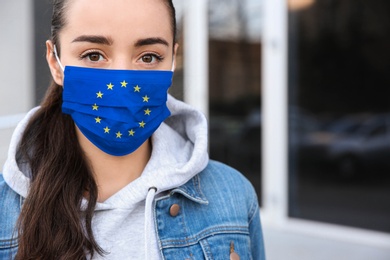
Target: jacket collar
[[192, 190]]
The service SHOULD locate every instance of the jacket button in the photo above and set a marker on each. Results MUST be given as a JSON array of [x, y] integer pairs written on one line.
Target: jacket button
[[234, 256], [174, 210]]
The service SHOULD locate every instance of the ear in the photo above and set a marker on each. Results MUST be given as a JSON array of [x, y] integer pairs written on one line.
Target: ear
[[55, 69], [174, 55]]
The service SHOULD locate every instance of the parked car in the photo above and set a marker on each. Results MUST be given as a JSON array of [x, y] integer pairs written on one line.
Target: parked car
[[351, 146], [366, 149]]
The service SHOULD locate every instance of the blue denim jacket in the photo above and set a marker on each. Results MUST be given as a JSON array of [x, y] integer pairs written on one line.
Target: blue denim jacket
[[214, 214], [10, 205]]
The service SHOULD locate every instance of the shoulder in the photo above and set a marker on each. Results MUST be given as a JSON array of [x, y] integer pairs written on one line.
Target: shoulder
[[219, 181], [10, 204], [9, 199], [219, 175], [6, 193]]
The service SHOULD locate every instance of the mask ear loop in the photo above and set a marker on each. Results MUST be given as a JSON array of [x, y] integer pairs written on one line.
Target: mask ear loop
[[173, 65], [58, 59]]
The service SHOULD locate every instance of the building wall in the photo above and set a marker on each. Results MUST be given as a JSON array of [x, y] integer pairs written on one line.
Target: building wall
[[17, 85]]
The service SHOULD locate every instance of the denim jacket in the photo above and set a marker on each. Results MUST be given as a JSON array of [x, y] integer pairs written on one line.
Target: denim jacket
[[212, 216], [10, 205]]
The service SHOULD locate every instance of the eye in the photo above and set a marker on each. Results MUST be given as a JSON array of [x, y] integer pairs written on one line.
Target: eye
[[92, 55], [95, 57], [151, 58], [147, 58]]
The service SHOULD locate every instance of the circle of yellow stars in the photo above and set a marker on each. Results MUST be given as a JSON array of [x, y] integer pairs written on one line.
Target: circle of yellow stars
[[99, 120]]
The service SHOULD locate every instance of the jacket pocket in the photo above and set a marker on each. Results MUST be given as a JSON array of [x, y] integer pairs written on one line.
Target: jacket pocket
[[227, 246], [218, 243]]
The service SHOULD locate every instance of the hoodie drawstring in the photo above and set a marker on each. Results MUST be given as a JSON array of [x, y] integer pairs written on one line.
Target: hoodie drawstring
[[148, 216]]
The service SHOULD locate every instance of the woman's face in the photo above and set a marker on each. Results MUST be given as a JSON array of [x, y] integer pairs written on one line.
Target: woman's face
[[114, 34]]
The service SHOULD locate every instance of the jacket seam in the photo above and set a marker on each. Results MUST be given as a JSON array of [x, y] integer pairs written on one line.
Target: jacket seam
[[244, 230], [253, 206], [253, 210], [9, 243], [199, 188], [206, 249]]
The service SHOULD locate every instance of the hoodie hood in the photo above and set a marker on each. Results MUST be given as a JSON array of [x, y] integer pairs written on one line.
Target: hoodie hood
[[17, 177], [179, 152]]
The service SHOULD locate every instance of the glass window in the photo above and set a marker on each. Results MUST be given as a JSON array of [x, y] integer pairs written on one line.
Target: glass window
[[234, 91], [339, 140]]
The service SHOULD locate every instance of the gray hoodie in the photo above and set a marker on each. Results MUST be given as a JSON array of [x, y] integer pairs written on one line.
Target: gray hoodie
[[123, 225]]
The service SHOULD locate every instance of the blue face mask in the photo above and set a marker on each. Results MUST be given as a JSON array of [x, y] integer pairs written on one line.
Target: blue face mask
[[117, 110]]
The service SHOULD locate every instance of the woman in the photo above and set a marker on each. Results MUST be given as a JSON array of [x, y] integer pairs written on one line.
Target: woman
[[110, 166]]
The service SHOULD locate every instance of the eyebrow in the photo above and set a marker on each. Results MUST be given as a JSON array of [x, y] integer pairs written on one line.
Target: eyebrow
[[150, 41], [108, 41], [94, 39]]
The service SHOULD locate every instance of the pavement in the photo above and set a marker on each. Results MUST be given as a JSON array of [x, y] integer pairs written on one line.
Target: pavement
[[290, 245]]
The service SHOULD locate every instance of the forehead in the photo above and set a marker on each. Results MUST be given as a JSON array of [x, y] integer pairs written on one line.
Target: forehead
[[118, 18]]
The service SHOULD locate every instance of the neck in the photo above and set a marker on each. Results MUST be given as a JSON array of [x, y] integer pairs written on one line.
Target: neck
[[112, 173]]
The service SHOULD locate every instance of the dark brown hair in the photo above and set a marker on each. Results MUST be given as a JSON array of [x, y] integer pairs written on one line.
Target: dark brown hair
[[51, 224]]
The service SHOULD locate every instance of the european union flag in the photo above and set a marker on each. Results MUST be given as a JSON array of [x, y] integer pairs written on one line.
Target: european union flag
[[117, 110]]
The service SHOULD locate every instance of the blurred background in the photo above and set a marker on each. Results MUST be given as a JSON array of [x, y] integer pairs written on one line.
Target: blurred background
[[310, 77]]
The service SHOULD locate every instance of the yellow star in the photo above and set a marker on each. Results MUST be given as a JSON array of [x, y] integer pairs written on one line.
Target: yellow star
[[110, 86], [137, 89], [98, 120], [119, 135], [145, 98], [124, 84], [99, 94], [95, 107], [131, 132], [107, 130], [147, 112], [142, 124]]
